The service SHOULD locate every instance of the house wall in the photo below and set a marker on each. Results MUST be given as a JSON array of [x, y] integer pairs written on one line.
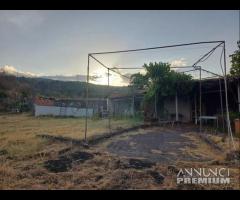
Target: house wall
[[184, 107], [61, 111]]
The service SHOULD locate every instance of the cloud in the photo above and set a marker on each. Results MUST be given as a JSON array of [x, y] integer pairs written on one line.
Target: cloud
[[7, 69], [143, 71], [178, 62]]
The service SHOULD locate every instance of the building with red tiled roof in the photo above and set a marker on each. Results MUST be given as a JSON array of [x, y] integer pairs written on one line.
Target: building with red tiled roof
[[43, 101], [68, 107]]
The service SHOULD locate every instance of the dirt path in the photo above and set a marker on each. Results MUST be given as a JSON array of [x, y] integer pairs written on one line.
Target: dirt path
[[156, 145]]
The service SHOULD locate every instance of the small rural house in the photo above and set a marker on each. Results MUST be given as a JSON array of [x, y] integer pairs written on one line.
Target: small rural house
[[184, 108], [68, 107]]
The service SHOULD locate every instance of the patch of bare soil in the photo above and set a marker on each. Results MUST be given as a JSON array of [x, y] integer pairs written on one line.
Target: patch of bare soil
[[64, 163], [138, 164], [233, 155], [97, 169]]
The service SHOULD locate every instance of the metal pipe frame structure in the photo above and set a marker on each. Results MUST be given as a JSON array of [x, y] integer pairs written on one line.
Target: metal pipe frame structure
[[194, 66], [108, 107], [200, 100], [221, 102]]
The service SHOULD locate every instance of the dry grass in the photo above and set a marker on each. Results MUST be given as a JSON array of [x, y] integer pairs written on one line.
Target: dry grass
[[22, 166], [226, 143], [202, 149], [18, 132], [101, 172]]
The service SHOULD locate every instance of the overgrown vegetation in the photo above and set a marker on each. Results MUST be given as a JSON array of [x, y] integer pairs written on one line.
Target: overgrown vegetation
[[235, 62], [160, 82]]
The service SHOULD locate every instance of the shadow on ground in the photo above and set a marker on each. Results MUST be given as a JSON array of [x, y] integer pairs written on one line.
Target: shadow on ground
[[156, 146]]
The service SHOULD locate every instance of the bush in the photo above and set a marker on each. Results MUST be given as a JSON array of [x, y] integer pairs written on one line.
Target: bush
[[234, 115]]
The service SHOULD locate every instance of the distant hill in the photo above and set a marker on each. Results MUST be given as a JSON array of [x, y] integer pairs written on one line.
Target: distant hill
[[22, 89], [10, 70], [77, 77]]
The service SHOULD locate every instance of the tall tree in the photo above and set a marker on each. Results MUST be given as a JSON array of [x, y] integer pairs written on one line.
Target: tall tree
[[235, 61], [160, 82]]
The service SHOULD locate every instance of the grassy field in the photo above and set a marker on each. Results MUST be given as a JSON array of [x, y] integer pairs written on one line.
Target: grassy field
[[23, 157], [18, 131]]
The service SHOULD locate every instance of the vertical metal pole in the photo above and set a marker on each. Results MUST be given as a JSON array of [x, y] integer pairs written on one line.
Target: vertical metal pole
[[200, 99], [176, 106], [86, 117], [133, 101], [155, 106], [238, 92], [221, 102], [109, 117], [195, 108], [226, 97]]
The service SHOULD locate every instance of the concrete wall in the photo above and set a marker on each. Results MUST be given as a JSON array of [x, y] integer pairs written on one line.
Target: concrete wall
[[184, 107], [61, 111]]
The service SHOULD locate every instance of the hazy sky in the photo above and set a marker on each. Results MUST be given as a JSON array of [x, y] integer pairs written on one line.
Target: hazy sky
[[57, 42]]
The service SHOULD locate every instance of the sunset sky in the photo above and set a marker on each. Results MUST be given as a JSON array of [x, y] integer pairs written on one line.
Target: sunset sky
[[57, 42]]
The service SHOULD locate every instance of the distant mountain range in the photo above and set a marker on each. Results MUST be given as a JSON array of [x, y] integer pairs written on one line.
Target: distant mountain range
[[15, 89], [10, 70], [78, 77], [54, 88]]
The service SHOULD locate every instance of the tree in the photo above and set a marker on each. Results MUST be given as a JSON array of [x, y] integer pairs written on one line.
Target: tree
[[235, 61], [160, 82], [138, 80]]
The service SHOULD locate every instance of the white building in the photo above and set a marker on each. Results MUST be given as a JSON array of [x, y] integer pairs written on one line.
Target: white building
[[68, 108]]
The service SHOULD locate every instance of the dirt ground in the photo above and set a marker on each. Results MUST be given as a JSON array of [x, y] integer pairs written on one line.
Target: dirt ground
[[165, 147], [143, 159]]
